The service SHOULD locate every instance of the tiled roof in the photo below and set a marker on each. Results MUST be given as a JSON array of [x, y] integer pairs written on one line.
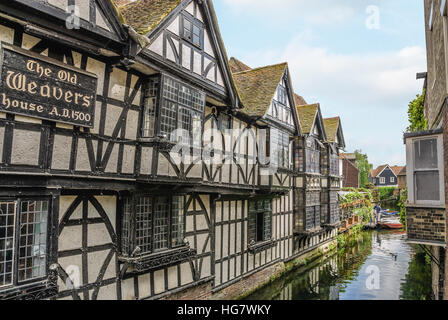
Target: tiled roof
[[256, 88], [403, 171], [396, 169], [375, 172], [307, 115], [331, 128], [145, 15], [238, 66], [299, 101], [350, 156]]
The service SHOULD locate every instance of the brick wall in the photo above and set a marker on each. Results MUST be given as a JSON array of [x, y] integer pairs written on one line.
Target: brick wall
[[435, 43], [350, 173], [426, 224]]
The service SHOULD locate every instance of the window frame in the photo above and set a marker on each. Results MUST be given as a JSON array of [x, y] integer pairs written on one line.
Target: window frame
[[253, 221], [410, 170], [178, 105], [132, 236], [382, 180], [193, 23], [15, 282]]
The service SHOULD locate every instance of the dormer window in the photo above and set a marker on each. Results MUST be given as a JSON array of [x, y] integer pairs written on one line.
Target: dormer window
[[192, 31]]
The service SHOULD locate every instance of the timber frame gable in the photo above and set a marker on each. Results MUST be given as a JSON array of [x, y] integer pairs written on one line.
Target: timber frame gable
[[98, 19], [204, 62]]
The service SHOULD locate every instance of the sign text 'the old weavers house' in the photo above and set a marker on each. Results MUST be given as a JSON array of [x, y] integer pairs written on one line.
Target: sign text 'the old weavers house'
[[40, 87]]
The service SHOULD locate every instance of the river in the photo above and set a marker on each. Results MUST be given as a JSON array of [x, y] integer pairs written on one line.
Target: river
[[374, 265]]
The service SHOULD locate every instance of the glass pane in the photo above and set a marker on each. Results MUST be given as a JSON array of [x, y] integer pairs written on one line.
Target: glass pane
[[177, 221], [143, 228], [425, 154], [427, 185], [149, 111], [125, 227], [33, 240], [161, 217], [7, 210], [168, 121]]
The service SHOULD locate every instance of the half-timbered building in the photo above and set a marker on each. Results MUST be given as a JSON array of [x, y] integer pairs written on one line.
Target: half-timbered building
[[137, 162]]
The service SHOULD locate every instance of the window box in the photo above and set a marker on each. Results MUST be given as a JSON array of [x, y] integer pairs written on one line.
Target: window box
[[425, 168], [161, 259]]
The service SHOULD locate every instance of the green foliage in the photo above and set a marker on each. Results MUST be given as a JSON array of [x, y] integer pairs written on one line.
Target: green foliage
[[417, 284], [386, 192], [355, 195], [364, 167], [416, 114], [402, 206], [365, 213]]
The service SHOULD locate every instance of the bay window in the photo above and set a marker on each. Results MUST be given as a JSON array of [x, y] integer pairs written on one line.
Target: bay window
[[180, 107], [425, 169], [23, 241], [312, 156], [153, 224]]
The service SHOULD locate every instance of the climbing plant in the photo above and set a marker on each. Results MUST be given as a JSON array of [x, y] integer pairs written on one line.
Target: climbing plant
[[416, 115], [364, 167], [402, 204]]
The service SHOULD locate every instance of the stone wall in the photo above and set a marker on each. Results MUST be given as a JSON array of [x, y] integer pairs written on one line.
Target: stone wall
[[426, 224]]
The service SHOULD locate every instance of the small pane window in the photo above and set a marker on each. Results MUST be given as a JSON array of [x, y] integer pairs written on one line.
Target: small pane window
[[260, 221], [149, 109], [159, 223], [182, 108], [23, 252], [7, 230]]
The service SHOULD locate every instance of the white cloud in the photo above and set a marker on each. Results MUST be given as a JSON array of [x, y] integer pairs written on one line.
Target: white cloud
[[369, 91]]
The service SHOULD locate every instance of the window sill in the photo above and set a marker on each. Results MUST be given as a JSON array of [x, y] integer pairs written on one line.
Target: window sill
[[261, 246], [34, 291], [160, 259], [426, 206]]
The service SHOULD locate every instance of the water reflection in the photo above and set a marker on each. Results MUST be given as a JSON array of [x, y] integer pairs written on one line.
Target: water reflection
[[374, 266]]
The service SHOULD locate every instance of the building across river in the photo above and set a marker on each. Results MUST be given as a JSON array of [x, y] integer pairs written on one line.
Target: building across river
[[138, 162]]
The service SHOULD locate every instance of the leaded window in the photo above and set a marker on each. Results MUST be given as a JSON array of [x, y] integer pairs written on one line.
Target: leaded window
[[312, 156], [158, 223], [279, 148], [334, 164], [260, 220], [150, 103], [23, 241], [182, 107]]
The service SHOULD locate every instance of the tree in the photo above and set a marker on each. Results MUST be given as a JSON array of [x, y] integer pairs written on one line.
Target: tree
[[416, 114], [364, 167]]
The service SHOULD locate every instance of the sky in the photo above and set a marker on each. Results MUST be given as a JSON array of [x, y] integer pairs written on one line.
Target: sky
[[357, 58]]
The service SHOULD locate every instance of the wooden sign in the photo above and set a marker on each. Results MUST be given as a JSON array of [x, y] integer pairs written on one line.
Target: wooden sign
[[40, 87]]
